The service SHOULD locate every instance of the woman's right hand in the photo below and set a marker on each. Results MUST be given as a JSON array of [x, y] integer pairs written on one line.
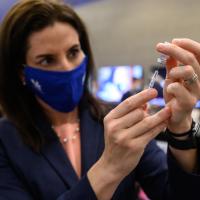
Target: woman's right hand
[[128, 129]]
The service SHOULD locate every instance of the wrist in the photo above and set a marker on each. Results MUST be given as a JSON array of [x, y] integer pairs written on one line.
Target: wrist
[[183, 141], [182, 135], [103, 179], [180, 127]]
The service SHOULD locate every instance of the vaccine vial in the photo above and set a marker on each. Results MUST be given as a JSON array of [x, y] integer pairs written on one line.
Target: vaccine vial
[[153, 79]]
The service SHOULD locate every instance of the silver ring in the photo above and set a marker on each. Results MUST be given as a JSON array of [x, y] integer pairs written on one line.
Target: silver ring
[[193, 79]]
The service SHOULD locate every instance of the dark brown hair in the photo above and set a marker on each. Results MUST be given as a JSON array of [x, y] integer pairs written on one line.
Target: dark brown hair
[[17, 103]]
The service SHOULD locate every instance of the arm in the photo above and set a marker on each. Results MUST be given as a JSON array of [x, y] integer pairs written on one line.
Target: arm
[[162, 178], [152, 172], [194, 49], [128, 130], [10, 186]]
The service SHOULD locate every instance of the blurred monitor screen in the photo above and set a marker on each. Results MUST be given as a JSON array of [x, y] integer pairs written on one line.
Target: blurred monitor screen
[[114, 81]]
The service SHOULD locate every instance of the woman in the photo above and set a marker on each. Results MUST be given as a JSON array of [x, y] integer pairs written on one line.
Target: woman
[[55, 142]]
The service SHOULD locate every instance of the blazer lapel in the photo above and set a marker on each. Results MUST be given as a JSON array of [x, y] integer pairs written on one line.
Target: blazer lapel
[[54, 153], [92, 140]]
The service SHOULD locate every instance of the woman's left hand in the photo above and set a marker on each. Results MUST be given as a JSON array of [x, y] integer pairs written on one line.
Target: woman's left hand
[[182, 85]]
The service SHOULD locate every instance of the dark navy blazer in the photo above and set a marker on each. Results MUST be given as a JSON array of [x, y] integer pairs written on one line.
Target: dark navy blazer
[[48, 175]]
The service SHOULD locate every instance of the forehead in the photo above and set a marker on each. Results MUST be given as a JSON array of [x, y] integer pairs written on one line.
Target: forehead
[[54, 37]]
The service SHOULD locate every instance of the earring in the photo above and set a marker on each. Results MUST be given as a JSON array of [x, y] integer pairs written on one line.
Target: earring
[[23, 82]]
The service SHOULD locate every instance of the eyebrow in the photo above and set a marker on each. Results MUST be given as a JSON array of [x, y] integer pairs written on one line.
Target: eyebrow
[[49, 55]]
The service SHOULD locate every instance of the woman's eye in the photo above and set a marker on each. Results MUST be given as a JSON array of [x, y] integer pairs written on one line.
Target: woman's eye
[[46, 61], [73, 53]]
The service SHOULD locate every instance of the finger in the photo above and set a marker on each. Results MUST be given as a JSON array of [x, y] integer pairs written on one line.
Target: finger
[[182, 72], [166, 95], [144, 139], [132, 103], [185, 73], [148, 123], [128, 120], [189, 45], [184, 98], [180, 54]]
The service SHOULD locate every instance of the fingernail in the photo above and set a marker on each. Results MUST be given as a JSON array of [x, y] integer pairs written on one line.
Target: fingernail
[[177, 40], [151, 91], [162, 46]]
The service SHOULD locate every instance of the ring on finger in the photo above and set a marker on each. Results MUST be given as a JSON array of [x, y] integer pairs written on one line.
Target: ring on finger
[[191, 80]]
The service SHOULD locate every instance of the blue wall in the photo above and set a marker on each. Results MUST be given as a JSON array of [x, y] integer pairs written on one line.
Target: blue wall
[[4, 6], [78, 2]]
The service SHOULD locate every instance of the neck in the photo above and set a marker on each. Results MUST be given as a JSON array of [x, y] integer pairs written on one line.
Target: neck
[[58, 118]]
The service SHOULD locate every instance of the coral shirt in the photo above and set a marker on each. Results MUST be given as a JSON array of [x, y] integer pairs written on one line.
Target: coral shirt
[[69, 136]]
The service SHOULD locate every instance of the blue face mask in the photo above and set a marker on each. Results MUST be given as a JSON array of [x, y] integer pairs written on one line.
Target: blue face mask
[[61, 90]]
